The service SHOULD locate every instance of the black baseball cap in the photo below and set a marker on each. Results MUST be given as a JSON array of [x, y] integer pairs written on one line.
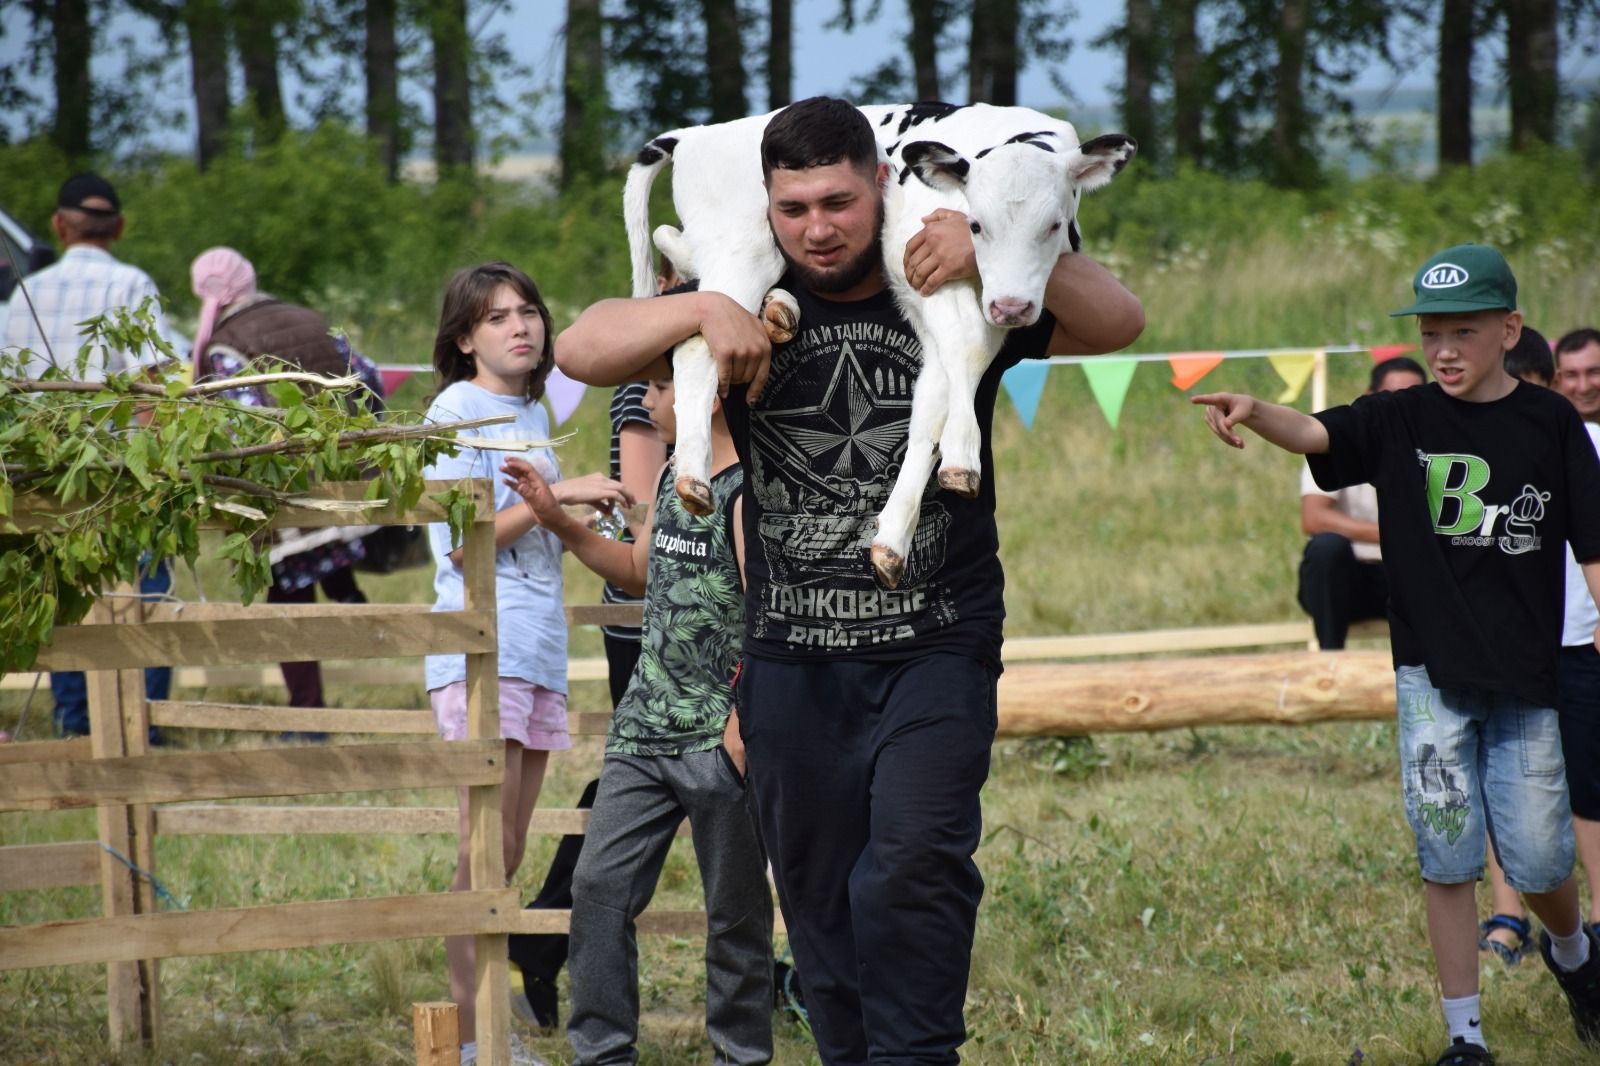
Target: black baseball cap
[[89, 186]]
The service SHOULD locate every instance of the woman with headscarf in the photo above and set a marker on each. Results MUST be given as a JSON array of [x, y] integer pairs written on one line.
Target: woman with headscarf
[[241, 327]]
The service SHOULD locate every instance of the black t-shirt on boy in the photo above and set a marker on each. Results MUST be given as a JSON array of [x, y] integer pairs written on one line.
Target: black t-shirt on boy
[[1475, 504]]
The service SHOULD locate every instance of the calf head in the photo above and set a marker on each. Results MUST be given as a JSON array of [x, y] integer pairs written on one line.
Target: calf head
[[1022, 199]]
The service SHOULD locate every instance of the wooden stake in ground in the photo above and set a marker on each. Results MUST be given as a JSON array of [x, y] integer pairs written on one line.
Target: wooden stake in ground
[[438, 1032]]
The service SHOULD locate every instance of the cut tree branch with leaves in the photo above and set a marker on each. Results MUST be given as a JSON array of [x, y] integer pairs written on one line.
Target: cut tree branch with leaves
[[118, 473]]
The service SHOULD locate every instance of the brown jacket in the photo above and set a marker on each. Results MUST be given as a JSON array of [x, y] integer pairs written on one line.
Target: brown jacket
[[266, 326]]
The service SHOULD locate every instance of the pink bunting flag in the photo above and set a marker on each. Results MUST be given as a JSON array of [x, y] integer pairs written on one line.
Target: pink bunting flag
[[1382, 353], [1189, 367], [395, 376], [563, 394]]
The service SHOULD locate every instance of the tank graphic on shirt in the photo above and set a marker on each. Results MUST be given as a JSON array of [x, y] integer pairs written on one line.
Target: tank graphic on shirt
[[827, 444], [1455, 487]]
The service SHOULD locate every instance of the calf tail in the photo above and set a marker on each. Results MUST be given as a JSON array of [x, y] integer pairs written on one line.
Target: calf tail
[[636, 210]]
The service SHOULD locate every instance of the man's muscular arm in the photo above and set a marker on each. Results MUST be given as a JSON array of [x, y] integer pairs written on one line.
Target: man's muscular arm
[[1094, 312], [620, 340]]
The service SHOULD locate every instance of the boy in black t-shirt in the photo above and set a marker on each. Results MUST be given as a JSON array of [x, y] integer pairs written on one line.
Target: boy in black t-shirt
[[1480, 478]]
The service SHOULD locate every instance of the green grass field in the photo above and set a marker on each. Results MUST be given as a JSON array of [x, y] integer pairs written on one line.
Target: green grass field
[[1242, 895]]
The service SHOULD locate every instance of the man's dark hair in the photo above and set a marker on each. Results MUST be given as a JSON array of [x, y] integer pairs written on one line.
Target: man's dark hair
[[818, 132], [1577, 339], [1531, 355], [1398, 365]]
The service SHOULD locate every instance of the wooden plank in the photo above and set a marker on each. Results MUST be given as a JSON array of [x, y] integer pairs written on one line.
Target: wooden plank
[[605, 614], [142, 833], [588, 668], [270, 820], [1283, 688], [588, 723], [211, 775], [34, 512], [1155, 641], [251, 716], [227, 642], [218, 611], [32, 751], [437, 1029], [175, 934], [26, 866]]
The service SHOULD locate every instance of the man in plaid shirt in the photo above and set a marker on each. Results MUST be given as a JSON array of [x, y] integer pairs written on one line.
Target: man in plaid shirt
[[87, 282], [45, 319]]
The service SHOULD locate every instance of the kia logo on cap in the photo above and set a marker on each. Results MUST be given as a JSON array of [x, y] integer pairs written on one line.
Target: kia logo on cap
[[1444, 276]]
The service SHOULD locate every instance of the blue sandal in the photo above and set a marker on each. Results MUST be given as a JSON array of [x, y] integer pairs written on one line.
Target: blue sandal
[[1510, 922]]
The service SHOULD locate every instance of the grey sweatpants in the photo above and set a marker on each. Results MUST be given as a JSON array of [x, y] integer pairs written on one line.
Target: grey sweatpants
[[636, 813]]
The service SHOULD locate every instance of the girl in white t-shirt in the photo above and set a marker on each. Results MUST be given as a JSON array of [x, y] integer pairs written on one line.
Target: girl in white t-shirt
[[492, 355]]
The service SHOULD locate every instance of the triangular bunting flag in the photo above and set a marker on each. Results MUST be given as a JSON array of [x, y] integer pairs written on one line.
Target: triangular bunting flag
[[1382, 353], [1025, 384], [1295, 369], [395, 376], [1109, 380], [563, 394], [1189, 367]]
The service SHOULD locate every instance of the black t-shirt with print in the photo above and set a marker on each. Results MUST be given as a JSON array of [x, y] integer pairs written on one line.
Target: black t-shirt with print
[[1475, 504], [821, 448]]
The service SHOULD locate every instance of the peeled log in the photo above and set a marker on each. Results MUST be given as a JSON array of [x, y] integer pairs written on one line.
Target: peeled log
[[1283, 688]]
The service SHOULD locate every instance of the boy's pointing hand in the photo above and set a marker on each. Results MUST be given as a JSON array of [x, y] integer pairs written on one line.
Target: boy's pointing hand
[[1224, 410]]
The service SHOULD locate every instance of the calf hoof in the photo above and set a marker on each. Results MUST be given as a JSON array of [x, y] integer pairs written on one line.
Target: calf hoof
[[888, 565], [694, 494], [963, 483], [780, 313]]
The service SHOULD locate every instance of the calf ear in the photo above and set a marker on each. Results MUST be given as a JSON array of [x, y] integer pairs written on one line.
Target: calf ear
[[1096, 161], [938, 165]]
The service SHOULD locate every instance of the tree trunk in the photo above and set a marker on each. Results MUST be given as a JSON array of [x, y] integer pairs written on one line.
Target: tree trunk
[[1532, 39], [583, 92], [780, 54], [992, 53], [74, 43], [256, 34], [452, 87], [925, 46], [1138, 82], [1188, 95], [207, 27], [1292, 164], [383, 84], [1455, 83], [724, 59]]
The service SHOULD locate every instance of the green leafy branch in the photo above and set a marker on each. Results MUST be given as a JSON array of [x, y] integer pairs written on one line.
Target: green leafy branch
[[116, 473]]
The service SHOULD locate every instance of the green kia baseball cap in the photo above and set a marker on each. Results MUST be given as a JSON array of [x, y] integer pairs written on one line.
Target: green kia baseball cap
[[1460, 280]]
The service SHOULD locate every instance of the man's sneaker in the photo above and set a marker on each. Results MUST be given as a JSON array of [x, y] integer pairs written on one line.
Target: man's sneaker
[[1465, 1053], [521, 1055], [1582, 987]]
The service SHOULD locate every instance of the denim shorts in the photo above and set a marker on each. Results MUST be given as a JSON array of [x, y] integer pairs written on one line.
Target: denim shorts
[[1476, 764]]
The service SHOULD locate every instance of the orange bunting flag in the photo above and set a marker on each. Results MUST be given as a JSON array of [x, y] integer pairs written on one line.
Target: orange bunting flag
[[1382, 353], [1295, 370], [1189, 367]]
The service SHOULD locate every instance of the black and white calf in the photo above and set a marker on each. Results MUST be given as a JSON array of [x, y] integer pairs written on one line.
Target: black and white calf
[[1016, 174]]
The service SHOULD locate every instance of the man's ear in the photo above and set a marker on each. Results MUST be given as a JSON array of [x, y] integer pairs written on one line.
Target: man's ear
[[58, 225], [1513, 331], [116, 234]]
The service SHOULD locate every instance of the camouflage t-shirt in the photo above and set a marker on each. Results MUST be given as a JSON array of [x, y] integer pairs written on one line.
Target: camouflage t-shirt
[[679, 696]]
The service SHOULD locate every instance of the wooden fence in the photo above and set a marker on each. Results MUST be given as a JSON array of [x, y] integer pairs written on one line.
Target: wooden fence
[[140, 794]]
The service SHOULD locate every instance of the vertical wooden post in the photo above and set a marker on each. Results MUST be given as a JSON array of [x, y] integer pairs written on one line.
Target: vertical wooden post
[[118, 884], [437, 1027], [492, 989], [141, 828]]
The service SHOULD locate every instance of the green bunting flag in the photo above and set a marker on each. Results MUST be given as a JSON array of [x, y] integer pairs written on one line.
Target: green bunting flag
[[1109, 380]]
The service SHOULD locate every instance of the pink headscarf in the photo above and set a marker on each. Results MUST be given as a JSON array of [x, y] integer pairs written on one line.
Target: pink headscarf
[[220, 276]]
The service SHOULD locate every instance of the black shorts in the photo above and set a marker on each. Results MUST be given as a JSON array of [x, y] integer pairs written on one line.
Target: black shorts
[[1578, 678]]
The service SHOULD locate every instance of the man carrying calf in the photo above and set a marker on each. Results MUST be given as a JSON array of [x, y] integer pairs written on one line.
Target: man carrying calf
[[867, 716]]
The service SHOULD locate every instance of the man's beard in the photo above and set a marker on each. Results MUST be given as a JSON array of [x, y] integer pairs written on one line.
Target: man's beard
[[845, 276]]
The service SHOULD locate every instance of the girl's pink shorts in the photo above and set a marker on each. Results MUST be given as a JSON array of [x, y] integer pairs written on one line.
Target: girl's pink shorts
[[533, 716]]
